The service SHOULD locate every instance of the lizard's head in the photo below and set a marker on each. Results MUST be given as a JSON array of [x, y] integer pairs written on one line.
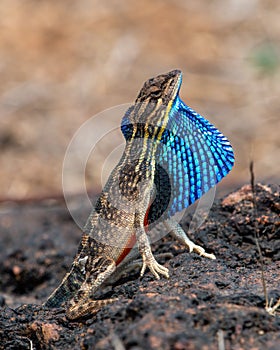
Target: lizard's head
[[164, 87], [147, 117]]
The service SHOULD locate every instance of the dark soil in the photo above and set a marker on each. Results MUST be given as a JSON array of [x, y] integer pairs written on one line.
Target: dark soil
[[205, 304]]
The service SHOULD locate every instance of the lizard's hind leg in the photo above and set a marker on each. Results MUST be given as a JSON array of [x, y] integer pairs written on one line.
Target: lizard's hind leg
[[68, 287], [73, 279], [83, 302]]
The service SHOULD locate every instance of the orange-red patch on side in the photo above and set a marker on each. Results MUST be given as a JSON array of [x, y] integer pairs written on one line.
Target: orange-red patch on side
[[131, 242], [146, 218], [126, 250]]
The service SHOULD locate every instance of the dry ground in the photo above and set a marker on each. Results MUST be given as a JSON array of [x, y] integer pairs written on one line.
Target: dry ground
[[203, 304]]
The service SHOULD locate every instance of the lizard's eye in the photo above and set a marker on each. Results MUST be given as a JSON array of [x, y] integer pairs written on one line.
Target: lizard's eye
[[155, 91]]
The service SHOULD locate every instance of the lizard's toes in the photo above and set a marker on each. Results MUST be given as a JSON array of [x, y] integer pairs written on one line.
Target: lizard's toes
[[157, 269], [201, 251]]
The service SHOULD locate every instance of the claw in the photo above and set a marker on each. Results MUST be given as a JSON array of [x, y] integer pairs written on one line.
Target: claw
[[154, 267], [201, 251], [143, 269], [198, 249]]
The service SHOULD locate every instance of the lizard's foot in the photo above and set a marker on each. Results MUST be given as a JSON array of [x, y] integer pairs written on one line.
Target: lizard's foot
[[129, 265], [86, 308], [198, 249], [148, 258], [156, 269], [180, 235]]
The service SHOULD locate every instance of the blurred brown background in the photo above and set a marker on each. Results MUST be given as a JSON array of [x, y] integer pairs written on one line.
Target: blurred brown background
[[62, 62]]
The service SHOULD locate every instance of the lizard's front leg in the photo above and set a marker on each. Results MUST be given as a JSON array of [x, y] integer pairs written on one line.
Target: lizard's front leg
[[98, 271], [148, 258], [146, 252], [178, 233]]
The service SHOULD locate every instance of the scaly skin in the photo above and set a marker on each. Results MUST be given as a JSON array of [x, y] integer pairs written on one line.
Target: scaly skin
[[164, 168]]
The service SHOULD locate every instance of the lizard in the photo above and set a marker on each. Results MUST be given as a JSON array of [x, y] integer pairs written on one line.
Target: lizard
[[172, 157]]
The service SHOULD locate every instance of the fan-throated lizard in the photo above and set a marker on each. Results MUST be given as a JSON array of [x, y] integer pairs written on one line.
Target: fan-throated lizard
[[171, 158]]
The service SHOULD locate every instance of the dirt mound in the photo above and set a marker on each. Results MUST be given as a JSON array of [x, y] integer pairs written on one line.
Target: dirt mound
[[205, 304]]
